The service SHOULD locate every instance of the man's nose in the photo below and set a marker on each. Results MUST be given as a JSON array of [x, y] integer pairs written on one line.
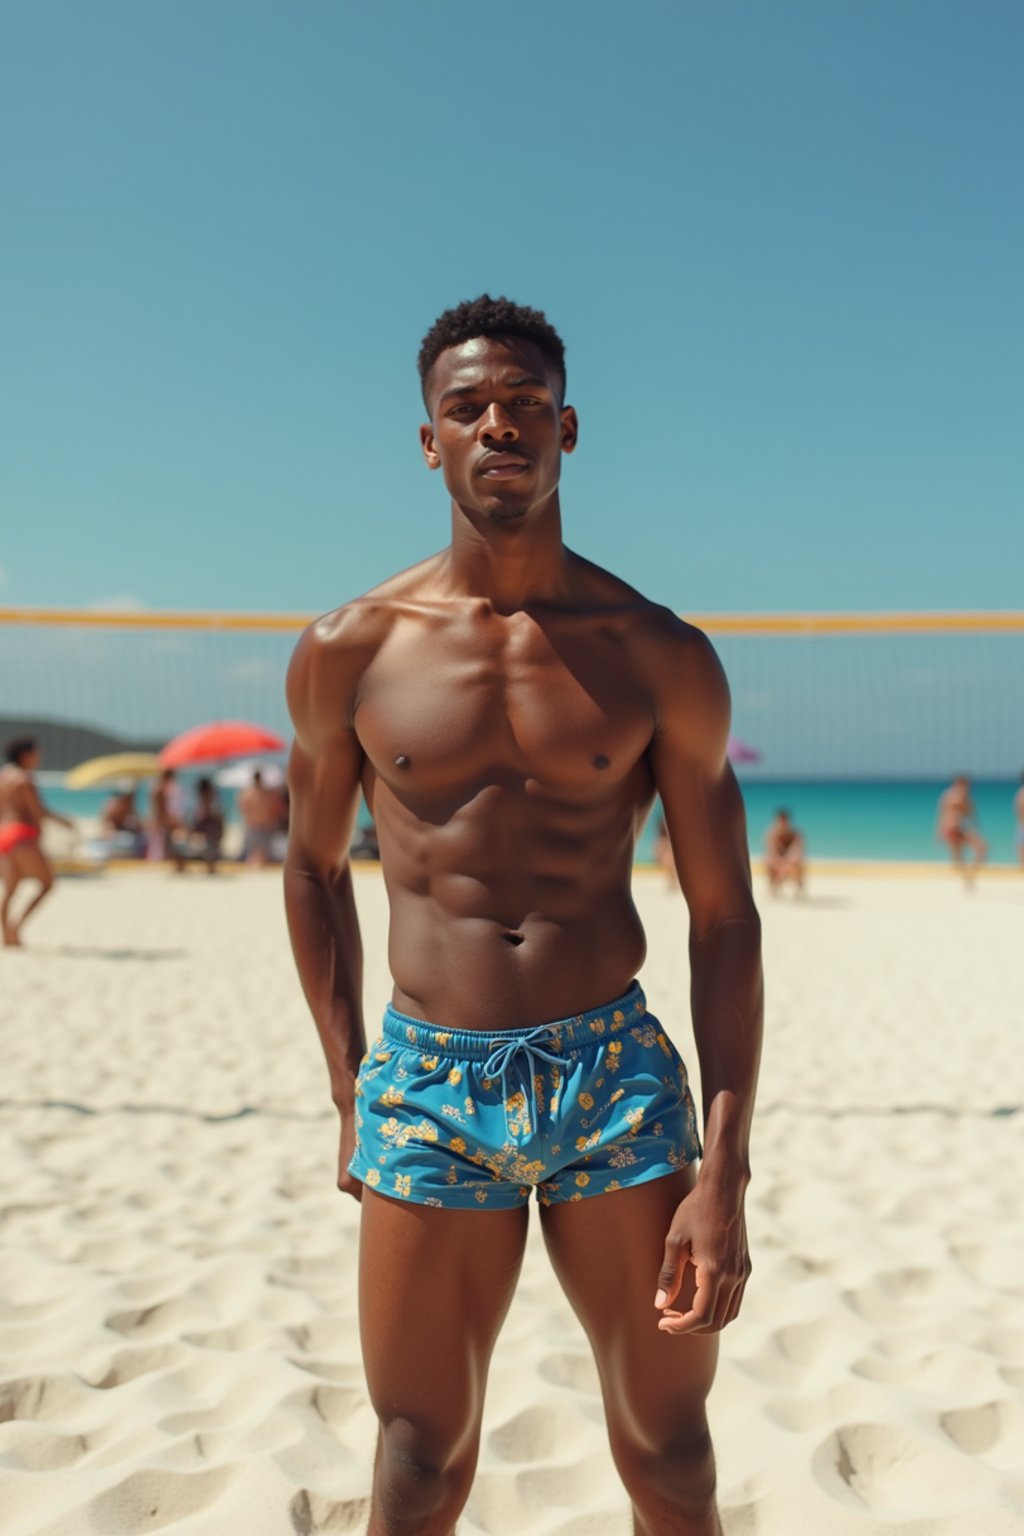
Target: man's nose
[[496, 425]]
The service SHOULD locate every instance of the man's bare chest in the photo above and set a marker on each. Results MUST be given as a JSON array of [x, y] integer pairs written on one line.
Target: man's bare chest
[[441, 707]]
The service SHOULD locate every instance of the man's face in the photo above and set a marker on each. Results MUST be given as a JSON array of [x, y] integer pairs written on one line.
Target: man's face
[[498, 427]]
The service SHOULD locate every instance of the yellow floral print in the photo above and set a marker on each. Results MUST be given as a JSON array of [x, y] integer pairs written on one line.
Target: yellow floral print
[[392, 1096], [372, 1177], [582, 1180], [586, 1100], [457, 1144], [403, 1183], [455, 1076], [429, 1063]]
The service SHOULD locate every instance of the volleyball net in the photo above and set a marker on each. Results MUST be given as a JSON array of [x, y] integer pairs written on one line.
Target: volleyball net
[[816, 695]]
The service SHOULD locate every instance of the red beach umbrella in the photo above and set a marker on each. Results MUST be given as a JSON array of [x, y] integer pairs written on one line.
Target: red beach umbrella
[[218, 740], [740, 752]]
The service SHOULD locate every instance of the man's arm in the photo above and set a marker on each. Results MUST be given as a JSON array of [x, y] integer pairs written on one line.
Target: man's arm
[[41, 812], [323, 776], [707, 828]]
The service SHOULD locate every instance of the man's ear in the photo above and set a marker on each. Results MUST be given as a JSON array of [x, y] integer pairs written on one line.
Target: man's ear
[[570, 429], [430, 454]]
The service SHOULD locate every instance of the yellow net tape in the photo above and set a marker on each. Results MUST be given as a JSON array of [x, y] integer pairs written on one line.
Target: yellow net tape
[[713, 623]]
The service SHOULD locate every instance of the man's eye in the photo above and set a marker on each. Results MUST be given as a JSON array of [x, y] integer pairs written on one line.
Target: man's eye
[[527, 400], [463, 410]]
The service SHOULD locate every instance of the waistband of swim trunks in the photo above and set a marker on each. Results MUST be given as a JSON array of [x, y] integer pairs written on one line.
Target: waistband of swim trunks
[[477, 1044]]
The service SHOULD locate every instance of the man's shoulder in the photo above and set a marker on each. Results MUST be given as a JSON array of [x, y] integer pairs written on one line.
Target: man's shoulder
[[360, 624], [648, 621]]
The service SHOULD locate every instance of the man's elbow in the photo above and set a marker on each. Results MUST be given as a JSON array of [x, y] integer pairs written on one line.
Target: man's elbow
[[740, 917]]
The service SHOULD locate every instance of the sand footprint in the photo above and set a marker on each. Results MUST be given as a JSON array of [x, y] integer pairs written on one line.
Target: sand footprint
[[335, 1405], [313, 1512], [42, 1397], [173, 1315], [153, 1497], [26, 1447], [886, 1466], [980, 1429], [565, 1369], [538, 1433], [129, 1364]]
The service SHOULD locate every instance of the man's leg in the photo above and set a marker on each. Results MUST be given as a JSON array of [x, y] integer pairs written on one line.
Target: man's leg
[[29, 863], [10, 879], [607, 1252], [434, 1287]]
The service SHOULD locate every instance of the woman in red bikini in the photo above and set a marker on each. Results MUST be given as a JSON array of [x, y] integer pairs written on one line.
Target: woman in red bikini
[[22, 813]]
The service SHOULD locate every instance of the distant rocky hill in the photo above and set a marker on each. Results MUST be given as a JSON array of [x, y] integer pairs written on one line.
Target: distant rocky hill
[[65, 743]]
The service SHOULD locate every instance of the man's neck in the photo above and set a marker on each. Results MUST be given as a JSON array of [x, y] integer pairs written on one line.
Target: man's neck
[[512, 564]]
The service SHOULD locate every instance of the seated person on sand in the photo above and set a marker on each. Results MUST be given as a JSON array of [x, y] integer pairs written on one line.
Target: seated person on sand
[[784, 853], [958, 828], [364, 844], [22, 814], [120, 824], [208, 824], [166, 827], [261, 810]]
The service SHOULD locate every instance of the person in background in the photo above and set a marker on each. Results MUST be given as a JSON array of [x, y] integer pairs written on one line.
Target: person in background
[[121, 824], [958, 828], [208, 824], [364, 844], [22, 814], [785, 856], [663, 855], [1018, 810], [166, 821], [261, 810]]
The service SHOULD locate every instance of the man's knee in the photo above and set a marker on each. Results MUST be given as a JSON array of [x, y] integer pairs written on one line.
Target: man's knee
[[416, 1482], [676, 1474]]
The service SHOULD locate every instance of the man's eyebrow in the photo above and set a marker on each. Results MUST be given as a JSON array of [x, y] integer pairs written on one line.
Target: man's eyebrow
[[458, 390]]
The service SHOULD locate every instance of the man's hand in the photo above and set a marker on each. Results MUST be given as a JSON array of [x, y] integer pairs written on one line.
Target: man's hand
[[346, 1183], [709, 1231]]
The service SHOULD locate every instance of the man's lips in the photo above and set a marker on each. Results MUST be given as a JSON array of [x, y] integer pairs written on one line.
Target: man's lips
[[502, 466]]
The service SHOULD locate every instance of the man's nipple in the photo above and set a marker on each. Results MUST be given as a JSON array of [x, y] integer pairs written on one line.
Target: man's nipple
[[401, 761]]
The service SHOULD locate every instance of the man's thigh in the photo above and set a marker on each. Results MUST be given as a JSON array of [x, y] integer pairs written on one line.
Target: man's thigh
[[434, 1288], [607, 1252], [30, 863]]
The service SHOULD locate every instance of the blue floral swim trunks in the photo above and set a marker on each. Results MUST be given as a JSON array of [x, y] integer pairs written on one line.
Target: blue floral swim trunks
[[467, 1119]]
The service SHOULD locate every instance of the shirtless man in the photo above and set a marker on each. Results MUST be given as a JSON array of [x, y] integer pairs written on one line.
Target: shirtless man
[[958, 829], [784, 853], [22, 814], [260, 809], [166, 823], [510, 711]]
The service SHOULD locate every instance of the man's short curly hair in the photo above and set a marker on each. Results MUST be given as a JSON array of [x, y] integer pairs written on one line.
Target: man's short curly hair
[[489, 317]]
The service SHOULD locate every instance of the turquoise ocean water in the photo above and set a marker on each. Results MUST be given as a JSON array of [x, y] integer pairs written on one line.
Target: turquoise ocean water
[[841, 819]]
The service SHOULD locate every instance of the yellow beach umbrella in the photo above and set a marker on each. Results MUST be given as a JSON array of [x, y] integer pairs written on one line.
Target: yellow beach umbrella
[[107, 770]]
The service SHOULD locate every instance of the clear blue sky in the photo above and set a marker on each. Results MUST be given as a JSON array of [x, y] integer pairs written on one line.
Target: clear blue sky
[[783, 244]]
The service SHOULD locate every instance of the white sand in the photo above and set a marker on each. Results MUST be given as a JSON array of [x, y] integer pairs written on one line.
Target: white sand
[[178, 1345]]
